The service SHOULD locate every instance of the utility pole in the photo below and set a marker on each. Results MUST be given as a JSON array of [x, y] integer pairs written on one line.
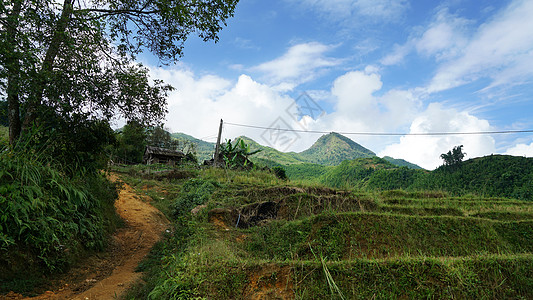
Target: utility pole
[[217, 147]]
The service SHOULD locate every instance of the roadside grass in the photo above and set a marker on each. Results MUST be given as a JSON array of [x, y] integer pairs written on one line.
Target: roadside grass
[[281, 238]]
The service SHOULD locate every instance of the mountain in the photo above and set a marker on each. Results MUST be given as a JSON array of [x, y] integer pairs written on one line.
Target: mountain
[[329, 150], [402, 163], [204, 150], [332, 149], [271, 154]]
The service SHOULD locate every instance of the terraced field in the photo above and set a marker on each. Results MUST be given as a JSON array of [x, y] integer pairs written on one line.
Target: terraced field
[[252, 236]]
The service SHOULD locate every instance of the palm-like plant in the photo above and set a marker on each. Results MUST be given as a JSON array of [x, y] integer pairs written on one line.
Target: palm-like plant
[[236, 155]]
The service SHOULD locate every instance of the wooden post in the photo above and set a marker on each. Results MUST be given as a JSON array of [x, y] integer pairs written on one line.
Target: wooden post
[[217, 147]]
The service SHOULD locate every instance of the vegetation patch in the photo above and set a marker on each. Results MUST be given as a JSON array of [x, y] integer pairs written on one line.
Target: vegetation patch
[[254, 235], [49, 219]]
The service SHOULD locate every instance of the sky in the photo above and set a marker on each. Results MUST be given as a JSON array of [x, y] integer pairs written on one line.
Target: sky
[[362, 66]]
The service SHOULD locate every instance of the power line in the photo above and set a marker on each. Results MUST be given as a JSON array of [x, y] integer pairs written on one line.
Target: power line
[[384, 133]]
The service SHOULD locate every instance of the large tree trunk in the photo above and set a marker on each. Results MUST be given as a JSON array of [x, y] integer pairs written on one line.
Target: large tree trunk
[[13, 73], [56, 42]]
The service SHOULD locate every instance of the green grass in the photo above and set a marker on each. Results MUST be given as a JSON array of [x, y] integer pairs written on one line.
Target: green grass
[[49, 220], [306, 239], [4, 136]]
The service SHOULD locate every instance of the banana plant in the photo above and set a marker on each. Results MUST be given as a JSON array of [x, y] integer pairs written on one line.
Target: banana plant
[[236, 155]]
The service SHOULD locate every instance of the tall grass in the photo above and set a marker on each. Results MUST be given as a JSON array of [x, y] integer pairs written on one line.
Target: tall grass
[[48, 218]]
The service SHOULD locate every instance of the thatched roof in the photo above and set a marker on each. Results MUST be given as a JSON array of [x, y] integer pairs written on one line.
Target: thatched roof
[[162, 151]]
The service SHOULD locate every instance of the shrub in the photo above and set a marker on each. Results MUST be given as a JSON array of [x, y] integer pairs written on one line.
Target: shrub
[[195, 192], [280, 173], [48, 218]]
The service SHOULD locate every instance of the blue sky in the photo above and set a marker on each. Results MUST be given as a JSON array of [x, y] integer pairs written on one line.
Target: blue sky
[[369, 66]]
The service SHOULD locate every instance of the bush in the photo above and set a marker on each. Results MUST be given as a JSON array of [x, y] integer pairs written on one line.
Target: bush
[[195, 192], [48, 218], [280, 173]]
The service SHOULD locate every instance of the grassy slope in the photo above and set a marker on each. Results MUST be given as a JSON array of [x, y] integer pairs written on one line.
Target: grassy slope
[[401, 163], [302, 239], [271, 154], [204, 150]]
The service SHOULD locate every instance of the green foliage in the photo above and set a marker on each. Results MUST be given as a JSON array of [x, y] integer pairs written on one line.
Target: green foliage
[[4, 136], [194, 192], [48, 218], [306, 171], [131, 143], [421, 278], [84, 65], [391, 179], [236, 155], [364, 244], [494, 175], [3, 114], [354, 173], [69, 147], [159, 137], [332, 149], [280, 173], [401, 163], [454, 157], [203, 150]]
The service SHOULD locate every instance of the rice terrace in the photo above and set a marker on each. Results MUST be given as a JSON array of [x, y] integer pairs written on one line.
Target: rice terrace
[[284, 149]]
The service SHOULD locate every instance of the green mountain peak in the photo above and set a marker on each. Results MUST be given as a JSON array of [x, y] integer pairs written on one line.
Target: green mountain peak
[[332, 149]]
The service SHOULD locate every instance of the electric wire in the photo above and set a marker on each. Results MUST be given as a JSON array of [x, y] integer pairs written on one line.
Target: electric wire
[[384, 133]]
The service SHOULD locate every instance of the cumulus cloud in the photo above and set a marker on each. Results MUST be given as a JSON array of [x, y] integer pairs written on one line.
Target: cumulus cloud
[[425, 150], [361, 109], [199, 102], [301, 63], [521, 150]]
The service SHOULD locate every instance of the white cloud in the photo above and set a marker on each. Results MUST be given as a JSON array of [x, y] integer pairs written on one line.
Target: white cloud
[[357, 104], [397, 54], [501, 49], [425, 150], [301, 63], [444, 38], [521, 150], [384, 10], [199, 102]]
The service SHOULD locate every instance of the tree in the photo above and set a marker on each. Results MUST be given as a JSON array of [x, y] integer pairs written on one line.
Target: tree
[[160, 137], [131, 142], [76, 59], [454, 157]]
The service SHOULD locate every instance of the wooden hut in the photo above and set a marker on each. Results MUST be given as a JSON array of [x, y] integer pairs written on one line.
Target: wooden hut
[[156, 155]]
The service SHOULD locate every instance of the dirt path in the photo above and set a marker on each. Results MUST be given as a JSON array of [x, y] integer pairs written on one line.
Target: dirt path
[[108, 275]]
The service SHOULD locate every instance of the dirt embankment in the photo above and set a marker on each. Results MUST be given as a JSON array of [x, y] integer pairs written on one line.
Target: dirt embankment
[[108, 275]]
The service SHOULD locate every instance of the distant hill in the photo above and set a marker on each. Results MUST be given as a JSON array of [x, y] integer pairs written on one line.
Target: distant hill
[[329, 150], [271, 154], [402, 163], [332, 149], [491, 176], [204, 150]]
